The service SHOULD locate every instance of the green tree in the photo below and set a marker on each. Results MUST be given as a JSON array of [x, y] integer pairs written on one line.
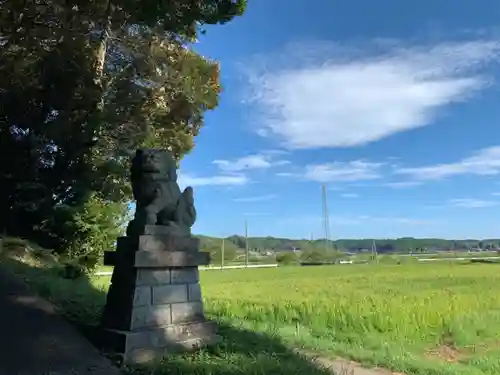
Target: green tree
[[82, 84]]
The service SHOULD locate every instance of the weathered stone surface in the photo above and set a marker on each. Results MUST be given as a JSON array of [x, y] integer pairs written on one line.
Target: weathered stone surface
[[143, 356], [168, 243], [142, 296], [194, 292], [163, 336], [151, 276], [189, 331], [157, 259], [187, 275], [169, 294], [158, 242], [154, 304], [150, 316], [150, 259], [159, 200], [164, 230], [140, 344], [186, 312]]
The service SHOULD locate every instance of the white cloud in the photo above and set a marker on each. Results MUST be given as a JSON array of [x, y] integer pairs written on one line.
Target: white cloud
[[343, 171], [286, 174], [259, 198], [324, 95], [484, 162], [256, 161], [403, 184], [349, 195], [471, 203], [188, 180]]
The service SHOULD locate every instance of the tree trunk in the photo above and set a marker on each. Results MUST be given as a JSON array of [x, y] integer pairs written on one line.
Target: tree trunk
[[100, 53]]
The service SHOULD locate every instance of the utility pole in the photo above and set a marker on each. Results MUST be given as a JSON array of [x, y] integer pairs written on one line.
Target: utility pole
[[326, 219], [246, 243], [222, 254], [374, 252]]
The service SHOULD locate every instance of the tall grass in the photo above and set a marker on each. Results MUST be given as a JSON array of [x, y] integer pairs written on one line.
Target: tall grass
[[407, 309], [396, 316]]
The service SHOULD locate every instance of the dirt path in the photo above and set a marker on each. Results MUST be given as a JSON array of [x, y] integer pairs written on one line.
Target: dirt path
[[344, 367], [34, 340]]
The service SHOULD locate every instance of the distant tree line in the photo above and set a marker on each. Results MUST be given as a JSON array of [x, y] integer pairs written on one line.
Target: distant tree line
[[401, 245]]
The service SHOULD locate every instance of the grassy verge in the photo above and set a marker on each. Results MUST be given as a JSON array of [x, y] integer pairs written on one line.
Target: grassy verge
[[243, 351], [424, 319]]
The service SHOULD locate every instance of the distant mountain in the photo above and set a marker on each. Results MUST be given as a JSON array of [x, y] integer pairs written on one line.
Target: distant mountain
[[236, 243]]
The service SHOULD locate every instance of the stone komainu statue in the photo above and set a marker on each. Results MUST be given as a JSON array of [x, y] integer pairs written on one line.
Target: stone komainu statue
[[159, 200]]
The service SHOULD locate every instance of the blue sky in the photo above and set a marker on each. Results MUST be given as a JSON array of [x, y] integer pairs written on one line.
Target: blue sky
[[394, 105]]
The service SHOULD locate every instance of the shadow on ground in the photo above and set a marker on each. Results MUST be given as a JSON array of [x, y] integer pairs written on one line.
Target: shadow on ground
[[241, 351], [35, 340], [483, 261]]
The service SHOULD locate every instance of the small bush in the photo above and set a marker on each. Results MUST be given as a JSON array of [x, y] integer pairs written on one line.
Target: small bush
[[287, 258], [72, 270]]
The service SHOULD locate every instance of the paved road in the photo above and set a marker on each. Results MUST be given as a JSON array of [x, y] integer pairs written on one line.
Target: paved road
[[34, 340]]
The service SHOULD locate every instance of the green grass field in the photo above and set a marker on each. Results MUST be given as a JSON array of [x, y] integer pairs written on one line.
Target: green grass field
[[416, 318], [419, 319], [432, 319]]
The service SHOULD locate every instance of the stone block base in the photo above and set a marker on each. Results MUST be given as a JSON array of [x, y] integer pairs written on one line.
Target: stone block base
[[154, 304], [138, 347]]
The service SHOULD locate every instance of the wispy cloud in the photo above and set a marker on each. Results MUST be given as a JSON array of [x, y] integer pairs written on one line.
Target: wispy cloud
[[219, 180], [403, 184], [343, 171], [259, 198], [286, 174], [316, 95], [484, 162], [349, 195], [256, 161], [471, 203]]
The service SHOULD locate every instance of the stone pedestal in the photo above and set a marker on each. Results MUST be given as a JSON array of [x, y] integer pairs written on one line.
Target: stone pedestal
[[154, 304]]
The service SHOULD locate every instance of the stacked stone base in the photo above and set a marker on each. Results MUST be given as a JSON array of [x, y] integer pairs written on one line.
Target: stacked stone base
[[154, 305], [137, 347]]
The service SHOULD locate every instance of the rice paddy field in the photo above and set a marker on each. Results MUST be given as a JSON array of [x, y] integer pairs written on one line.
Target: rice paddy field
[[421, 319], [418, 319]]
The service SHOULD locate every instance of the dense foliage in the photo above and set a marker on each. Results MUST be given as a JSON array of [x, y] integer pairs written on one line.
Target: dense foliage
[[82, 84]]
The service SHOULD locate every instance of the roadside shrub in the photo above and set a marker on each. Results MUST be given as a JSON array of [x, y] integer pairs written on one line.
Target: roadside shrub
[[96, 225], [287, 258], [72, 270]]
